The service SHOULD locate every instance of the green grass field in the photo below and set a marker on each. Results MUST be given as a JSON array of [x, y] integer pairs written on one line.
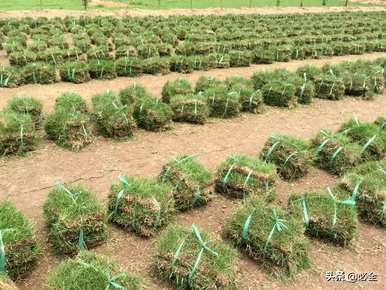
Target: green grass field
[[164, 4]]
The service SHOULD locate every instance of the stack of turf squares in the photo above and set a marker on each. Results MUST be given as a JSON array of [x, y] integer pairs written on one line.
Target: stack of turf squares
[[240, 176], [6, 283], [176, 87], [327, 214], [91, 271], [140, 205], [190, 181], [69, 125], [27, 105], [269, 235], [191, 108], [207, 82], [132, 93], [222, 102], [18, 248], [190, 259], [371, 193], [292, 156], [114, 119], [75, 72], [75, 219]]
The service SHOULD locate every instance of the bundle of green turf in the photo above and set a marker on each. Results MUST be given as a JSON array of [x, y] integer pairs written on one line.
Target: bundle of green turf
[[263, 55], [204, 83], [132, 93], [18, 248], [128, 67], [185, 64], [280, 93], [6, 283], [17, 133], [141, 205], [90, 271], [305, 92], [240, 58], [38, 73], [336, 152], [309, 72], [283, 53], [9, 77], [75, 219], [102, 69], [371, 137], [176, 87], [193, 260], [240, 176], [156, 65], [71, 102], [189, 108], [114, 119], [152, 114], [27, 105], [190, 181], [329, 87], [74, 72], [292, 156], [328, 214], [222, 102], [270, 236], [381, 122]]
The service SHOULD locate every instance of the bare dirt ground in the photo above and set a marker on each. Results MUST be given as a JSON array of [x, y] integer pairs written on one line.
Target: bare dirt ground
[[218, 11]]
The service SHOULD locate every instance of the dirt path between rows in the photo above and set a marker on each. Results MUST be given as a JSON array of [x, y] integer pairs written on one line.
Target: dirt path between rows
[[154, 83]]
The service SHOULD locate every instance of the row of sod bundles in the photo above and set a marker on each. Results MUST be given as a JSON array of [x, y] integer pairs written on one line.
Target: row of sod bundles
[[269, 235], [193, 260], [90, 271], [336, 153], [18, 248], [114, 119], [371, 193], [74, 72], [69, 125], [6, 283], [152, 114], [74, 218], [140, 205], [27, 105], [9, 77], [240, 176], [176, 87], [370, 136], [191, 108], [190, 181], [222, 102], [292, 156], [328, 214]]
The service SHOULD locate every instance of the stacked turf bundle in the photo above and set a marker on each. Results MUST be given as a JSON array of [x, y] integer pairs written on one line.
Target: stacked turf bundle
[[75, 219], [152, 114], [6, 283], [204, 83], [279, 93], [27, 105], [18, 248], [190, 259], [90, 271], [292, 156], [9, 77], [128, 67], [222, 102], [74, 72], [190, 181], [132, 93], [240, 176], [191, 108], [176, 87], [17, 133], [270, 236], [140, 205], [370, 178], [102, 69], [328, 214], [113, 118], [330, 87], [336, 152], [69, 125], [38, 73]]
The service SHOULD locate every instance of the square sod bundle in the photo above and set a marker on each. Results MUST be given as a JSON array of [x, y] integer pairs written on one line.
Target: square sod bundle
[[75, 219], [327, 214], [330, 87], [6, 283], [38, 73], [128, 67], [156, 65], [292, 156], [190, 181], [190, 108], [190, 259], [152, 114], [74, 72], [222, 102], [370, 178], [280, 93], [336, 152], [9, 77], [18, 248], [27, 105], [102, 69], [91, 271], [270, 236], [17, 133], [371, 137], [207, 82], [132, 93], [176, 87], [240, 176], [141, 205], [114, 119]]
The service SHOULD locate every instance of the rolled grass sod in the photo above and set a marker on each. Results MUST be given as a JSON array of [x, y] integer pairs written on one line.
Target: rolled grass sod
[[292, 156], [190, 108], [192, 259], [102, 69], [329, 87], [270, 236], [27, 105], [280, 94], [132, 93], [9, 77], [38, 73], [327, 214], [176, 87], [223, 103], [6, 283], [128, 67], [206, 82], [91, 271], [75, 219], [190, 181], [72, 102], [141, 205], [239, 176], [18, 248], [74, 72]]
